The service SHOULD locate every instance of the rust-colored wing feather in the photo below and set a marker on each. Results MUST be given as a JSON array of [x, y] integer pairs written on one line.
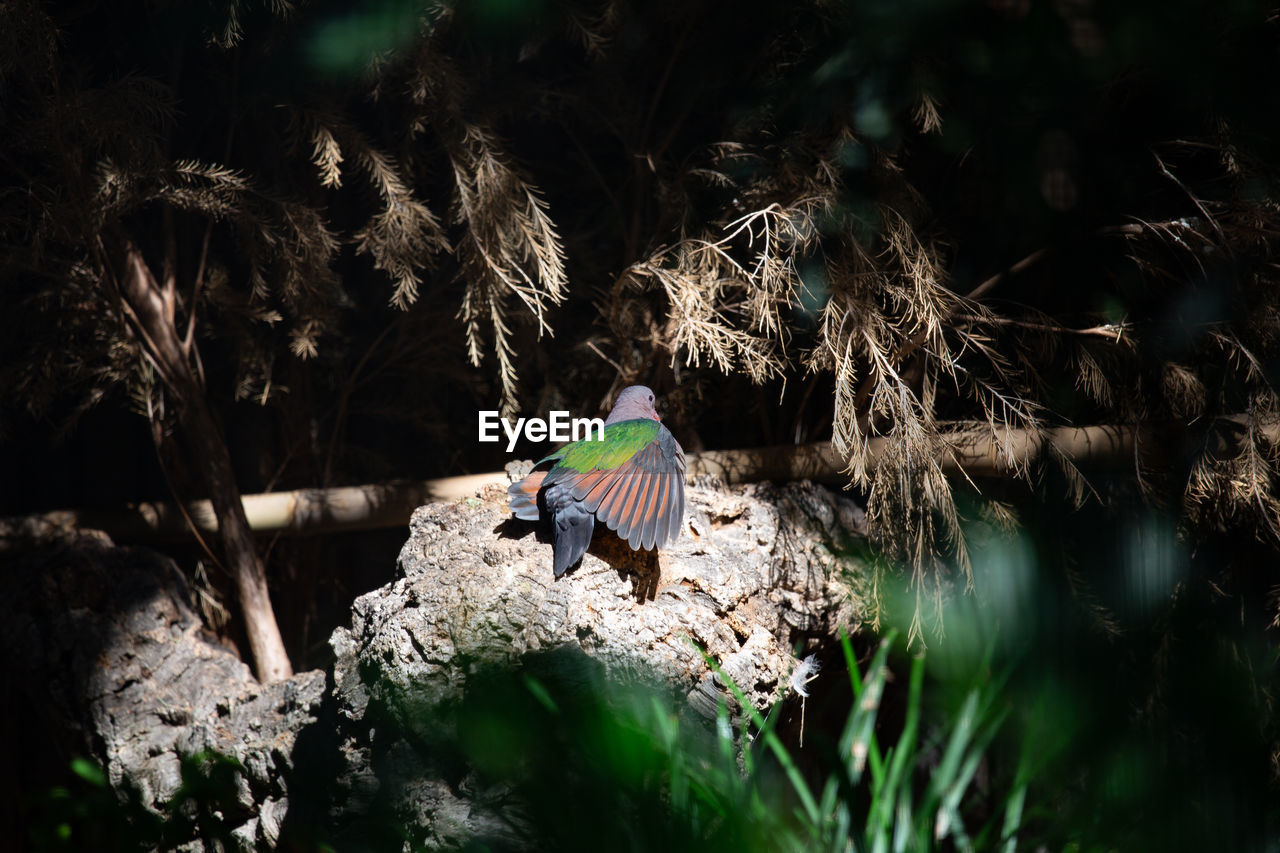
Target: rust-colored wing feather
[[637, 505], [524, 496], [652, 515], [645, 504], [594, 486]]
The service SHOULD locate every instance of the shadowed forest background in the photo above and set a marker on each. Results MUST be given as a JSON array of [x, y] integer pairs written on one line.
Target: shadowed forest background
[[256, 247]]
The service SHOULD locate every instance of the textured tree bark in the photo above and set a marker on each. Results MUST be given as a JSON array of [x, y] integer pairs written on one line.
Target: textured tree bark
[[150, 308]]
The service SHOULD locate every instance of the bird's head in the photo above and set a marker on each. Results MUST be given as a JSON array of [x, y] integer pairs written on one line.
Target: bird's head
[[635, 402]]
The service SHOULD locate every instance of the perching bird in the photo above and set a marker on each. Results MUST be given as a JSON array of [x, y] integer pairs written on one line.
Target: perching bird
[[632, 480]]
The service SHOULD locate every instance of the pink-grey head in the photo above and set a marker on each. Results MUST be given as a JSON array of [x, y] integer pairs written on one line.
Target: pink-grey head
[[634, 403]]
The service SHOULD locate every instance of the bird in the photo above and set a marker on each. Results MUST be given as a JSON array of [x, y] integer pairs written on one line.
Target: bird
[[631, 478]]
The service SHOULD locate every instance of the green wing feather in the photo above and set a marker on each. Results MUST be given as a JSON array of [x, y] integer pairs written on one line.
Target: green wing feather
[[621, 441]]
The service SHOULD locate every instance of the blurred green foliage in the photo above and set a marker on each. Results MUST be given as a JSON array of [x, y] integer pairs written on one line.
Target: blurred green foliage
[[1137, 672], [343, 44], [90, 814], [583, 763]]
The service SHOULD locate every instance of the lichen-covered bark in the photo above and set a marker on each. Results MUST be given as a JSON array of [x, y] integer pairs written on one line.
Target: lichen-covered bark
[[107, 637]]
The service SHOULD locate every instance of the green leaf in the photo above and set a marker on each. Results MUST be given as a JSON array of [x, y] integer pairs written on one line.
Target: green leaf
[[89, 772]]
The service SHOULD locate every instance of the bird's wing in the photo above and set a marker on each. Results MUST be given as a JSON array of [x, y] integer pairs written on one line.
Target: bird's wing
[[524, 496], [633, 480]]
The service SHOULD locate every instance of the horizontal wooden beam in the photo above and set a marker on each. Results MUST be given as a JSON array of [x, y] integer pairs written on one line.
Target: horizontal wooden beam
[[299, 511], [974, 452], [303, 511]]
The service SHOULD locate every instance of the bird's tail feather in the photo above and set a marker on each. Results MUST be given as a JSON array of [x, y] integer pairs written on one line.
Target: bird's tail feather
[[572, 534]]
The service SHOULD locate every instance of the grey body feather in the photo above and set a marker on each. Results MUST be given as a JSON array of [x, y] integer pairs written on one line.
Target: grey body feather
[[571, 528]]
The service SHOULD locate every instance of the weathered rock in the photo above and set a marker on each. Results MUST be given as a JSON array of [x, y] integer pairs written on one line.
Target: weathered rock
[[107, 636], [756, 570], [752, 573]]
